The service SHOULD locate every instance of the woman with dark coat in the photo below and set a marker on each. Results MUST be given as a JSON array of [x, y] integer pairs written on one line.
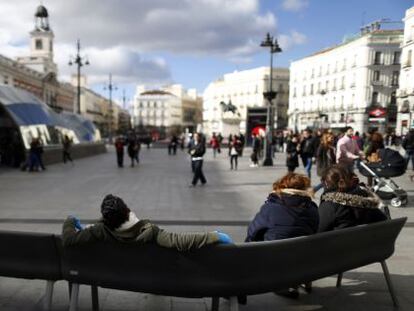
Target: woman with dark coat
[[288, 212], [345, 203], [292, 151], [325, 155]]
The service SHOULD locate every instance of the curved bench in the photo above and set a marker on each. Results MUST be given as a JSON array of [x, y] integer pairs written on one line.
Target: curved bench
[[229, 270], [30, 255]]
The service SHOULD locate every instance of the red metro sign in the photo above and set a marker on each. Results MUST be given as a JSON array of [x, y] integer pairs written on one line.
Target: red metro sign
[[378, 112]]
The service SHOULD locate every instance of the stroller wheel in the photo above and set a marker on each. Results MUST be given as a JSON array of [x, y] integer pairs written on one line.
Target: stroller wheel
[[396, 202]]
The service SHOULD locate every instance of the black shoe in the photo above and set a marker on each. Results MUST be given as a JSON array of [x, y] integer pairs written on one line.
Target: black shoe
[[291, 293]]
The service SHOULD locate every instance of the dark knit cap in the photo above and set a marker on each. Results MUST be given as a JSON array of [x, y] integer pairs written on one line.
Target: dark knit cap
[[114, 211]]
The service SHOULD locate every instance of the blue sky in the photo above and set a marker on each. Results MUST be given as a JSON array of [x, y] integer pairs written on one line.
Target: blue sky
[[323, 22], [191, 42]]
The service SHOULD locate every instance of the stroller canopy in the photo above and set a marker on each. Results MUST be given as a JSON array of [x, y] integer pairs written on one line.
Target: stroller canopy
[[391, 164]]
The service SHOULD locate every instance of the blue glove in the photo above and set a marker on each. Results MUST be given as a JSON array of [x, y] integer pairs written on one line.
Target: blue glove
[[77, 222], [224, 238]]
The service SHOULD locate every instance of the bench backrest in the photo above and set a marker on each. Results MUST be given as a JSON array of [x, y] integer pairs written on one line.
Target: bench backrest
[[229, 270], [29, 255]]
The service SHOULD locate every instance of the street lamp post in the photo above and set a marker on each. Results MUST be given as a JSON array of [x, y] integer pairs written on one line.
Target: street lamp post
[[110, 87], [270, 95], [79, 61]]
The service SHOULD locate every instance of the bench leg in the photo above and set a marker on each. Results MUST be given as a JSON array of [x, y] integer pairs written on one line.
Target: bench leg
[[339, 280], [389, 283], [47, 302], [234, 304], [215, 303], [74, 297], [95, 298]]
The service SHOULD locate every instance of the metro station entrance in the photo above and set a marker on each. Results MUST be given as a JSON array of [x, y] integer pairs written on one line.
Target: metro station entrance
[[256, 117]]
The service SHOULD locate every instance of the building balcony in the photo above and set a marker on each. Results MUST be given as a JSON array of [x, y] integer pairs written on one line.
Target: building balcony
[[377, 83]]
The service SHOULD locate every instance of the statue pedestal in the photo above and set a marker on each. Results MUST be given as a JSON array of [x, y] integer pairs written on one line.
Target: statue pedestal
[[230, 124]]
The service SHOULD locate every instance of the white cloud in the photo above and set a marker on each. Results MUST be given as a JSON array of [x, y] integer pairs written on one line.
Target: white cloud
[[116, 34], [288, 41], [295, 5]]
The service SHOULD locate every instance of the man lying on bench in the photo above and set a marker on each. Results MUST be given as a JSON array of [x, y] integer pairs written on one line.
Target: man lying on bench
[[119, 223]]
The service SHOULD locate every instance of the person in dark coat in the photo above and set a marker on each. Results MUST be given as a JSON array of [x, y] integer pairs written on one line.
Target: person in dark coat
[[133, 149], [307, 150], [408, 145], [292, 154], [197, 151], [288, 212], [120, 224], [345, 202], [66, 148], [119, 148]]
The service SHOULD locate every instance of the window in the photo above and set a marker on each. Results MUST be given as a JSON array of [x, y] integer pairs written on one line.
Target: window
[[376, 75], [353, 79], [395, 76], [39, 44], [344, 64], [355, 61], [327, 69], [320, 71], [319, 87], [294, 92], [343, 82], [313, 72], [377, 58], [408, 59], [397, 58], [140, 105], [374, 98], [311, 89], [304, 91], [334, 85], [50, 46], [6, 80], [336, 66], [326, 85]]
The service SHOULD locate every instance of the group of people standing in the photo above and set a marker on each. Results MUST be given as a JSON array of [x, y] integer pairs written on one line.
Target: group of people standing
[[133, 146]]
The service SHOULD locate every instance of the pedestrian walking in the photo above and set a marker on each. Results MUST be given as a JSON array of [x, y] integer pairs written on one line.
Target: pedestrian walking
[[214, 143], [67, 148], [119, 148], [197, 151], [347, 150], [172, 146], [292, 153], [255, 151], [234, 151], [307, 150], [408, 145], [133, 149], [325, 156]]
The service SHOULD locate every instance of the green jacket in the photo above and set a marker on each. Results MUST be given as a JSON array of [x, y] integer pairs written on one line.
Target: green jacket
[[142, 232]]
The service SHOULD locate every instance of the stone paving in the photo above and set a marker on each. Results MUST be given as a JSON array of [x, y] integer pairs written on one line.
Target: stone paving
[[158, 189]]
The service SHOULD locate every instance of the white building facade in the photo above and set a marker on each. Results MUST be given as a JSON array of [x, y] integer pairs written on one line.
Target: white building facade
[[244, 89], [352, 84], [405, 93]]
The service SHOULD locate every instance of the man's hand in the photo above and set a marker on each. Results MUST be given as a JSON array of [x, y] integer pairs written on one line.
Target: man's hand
[[224, 238], [77, 223]]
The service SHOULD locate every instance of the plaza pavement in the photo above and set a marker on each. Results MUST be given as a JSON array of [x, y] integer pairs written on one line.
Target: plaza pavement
[[158, 189]]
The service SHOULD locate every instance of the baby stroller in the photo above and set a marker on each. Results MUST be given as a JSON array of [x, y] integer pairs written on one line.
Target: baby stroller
[[391, 164]]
